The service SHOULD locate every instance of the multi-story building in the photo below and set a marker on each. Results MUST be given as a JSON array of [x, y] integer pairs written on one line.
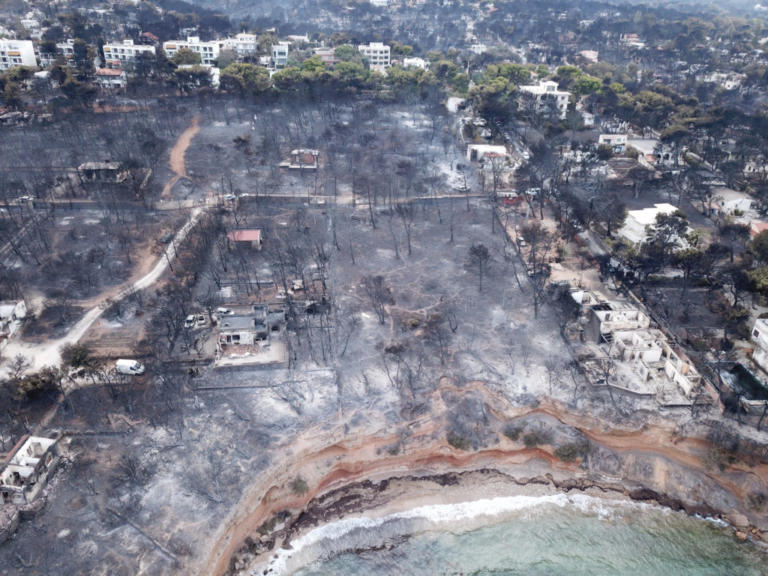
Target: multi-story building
[[327, 55], [546, 98], [64, 50], [242, 44], [111, 78], [377, 54], [117, 55], [16, 53], [208, 51], [280, 55]]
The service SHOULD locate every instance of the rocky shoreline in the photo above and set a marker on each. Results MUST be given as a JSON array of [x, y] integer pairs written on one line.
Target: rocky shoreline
[[382, 497]]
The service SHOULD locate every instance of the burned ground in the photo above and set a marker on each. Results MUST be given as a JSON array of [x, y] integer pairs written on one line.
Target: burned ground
[[158, 464]]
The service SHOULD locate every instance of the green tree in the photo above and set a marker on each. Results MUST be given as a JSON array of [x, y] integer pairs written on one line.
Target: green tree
[[247, 79], [759, 247], [185, 56]]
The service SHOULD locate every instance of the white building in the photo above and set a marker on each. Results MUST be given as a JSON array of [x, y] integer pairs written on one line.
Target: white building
[[415, 62], [617, 142], [760, 338], [242, 44], [117, 55], [208, 51], [546, 96], [377, 54], [280, 55], [64, 49], [111, 78], [25, 473], [477, 152], [380, 3], [12, 313], [16, 53], [637, 223]]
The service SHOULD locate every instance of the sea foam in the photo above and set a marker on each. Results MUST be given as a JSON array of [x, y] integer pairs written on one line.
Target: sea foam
[[365, 532]]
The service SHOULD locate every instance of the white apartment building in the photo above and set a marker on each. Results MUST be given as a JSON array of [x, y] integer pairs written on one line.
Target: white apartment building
[[242, 44], [377, 54], [208, 51], [760, 338], [547, 95], [280, 55], [116, 55], [16, 53]]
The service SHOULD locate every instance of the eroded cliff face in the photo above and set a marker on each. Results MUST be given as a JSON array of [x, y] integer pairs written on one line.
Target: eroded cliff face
[[645, 457]]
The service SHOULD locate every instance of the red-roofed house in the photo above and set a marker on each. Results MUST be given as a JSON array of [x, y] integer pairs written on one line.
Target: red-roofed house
[[757, 226], [111, 78], [250, 237]]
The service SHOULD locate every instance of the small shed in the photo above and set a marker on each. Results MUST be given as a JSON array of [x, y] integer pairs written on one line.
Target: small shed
[[249, 238]]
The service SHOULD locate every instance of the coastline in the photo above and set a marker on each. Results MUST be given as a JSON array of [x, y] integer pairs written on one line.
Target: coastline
[[649, 463], [476, 497]]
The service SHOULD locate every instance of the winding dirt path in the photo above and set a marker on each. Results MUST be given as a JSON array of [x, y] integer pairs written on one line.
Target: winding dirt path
[[41, 355], [177, 162]]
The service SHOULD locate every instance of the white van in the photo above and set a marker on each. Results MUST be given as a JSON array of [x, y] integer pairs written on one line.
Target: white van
[[132, 367]]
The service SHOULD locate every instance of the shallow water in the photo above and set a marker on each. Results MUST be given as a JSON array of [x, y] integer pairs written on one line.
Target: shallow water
[[557, 534]]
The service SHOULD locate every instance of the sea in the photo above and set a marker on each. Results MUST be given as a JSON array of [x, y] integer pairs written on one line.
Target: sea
[[558, 534]]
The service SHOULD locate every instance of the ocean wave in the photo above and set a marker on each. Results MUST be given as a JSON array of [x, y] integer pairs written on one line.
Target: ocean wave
[[359, 533]]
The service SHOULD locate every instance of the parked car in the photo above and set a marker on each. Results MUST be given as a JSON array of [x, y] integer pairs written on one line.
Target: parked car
[[130, 367]]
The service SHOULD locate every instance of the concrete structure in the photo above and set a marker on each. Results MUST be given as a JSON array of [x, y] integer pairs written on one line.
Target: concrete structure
[[415, 62], [111, 78], [379, 3], [25, 472], [250, 238], [667, 374], [617, 142], [118, 55], [635, 229], [214, 74], [546, 98], [242, 44], [377, 54], [760, 338], [590, 55], [243, 330], [477, 152], [15, 53], [12, 313], [280, 55], [608, 317], [302, 159], [327, 55], [208, 51], [98, 171]]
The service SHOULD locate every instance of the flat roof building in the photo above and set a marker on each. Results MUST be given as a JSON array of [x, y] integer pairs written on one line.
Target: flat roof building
[[15, 53], [208, 51]]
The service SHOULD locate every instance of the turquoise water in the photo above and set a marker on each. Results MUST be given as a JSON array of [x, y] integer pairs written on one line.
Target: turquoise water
[[576, 538]]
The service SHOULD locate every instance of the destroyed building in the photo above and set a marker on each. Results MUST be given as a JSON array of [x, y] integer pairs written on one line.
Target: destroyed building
[[27, 469]]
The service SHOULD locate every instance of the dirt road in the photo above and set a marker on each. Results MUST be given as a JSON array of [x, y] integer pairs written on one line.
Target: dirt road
[[48, 354], [177, 162]]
